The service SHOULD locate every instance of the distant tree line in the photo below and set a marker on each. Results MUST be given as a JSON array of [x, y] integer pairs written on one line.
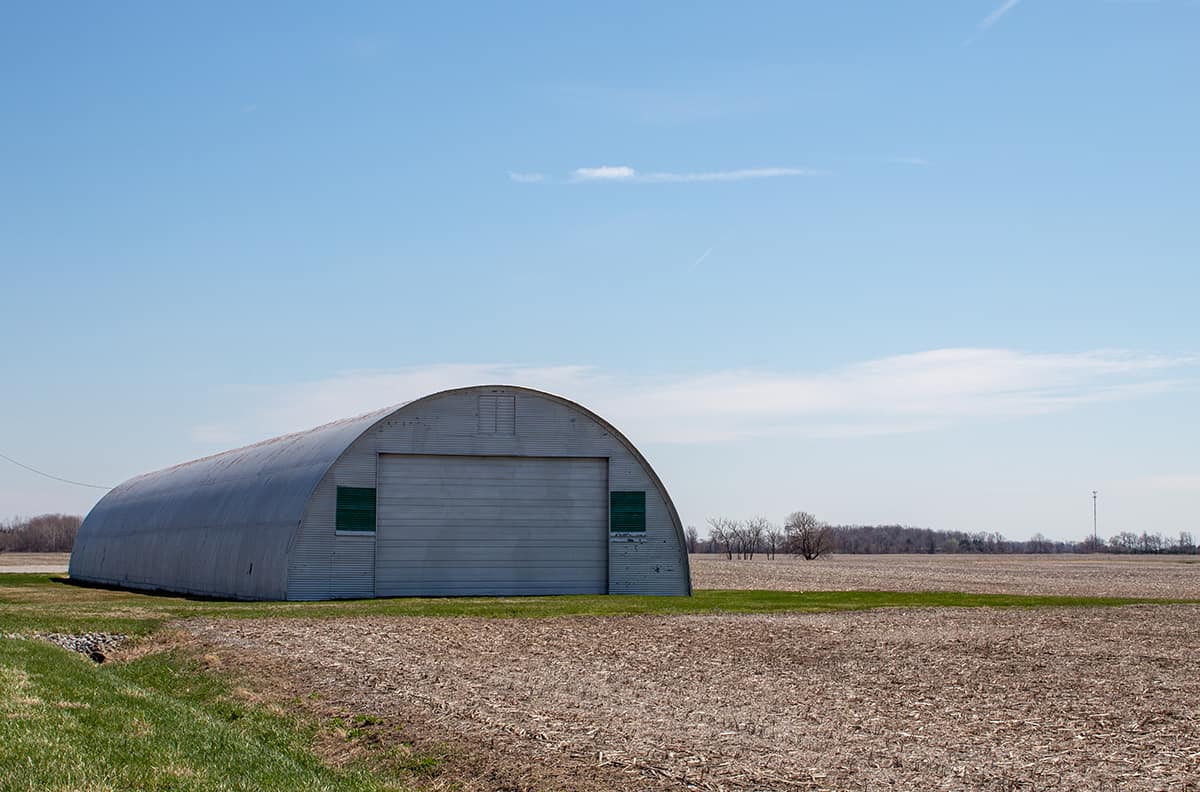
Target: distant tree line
[[801, 534], [804, 535], [46, 533]]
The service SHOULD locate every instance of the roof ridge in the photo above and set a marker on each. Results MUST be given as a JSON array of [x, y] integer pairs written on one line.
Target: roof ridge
[[266, 442]]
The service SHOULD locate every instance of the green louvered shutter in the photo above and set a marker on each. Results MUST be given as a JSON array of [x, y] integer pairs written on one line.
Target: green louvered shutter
[[626, 511], [356, 508]]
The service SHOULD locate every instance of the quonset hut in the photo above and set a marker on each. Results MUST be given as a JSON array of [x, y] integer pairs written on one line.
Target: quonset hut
[[494, 490]]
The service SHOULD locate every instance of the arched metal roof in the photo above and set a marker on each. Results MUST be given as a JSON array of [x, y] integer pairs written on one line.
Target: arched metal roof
[[266, 482]]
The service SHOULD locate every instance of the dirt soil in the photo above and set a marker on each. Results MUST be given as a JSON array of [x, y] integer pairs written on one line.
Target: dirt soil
[[993, 699], [34, 562], [1173, 577]]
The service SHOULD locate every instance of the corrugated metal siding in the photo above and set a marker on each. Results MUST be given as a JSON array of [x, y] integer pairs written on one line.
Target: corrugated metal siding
[[506, 415], [486, 525], [352, 573], [450, 424], [496, 414], [310, 560], [324, 564], [218, 526], [648, 563]]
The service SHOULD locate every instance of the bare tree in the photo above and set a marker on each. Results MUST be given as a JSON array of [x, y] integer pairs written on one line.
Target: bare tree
[[46, 533], [772, 539], [807, 536], [723, 532], [1150, 543], [741, 540], [692, 536], [1124, 542], [755, 530]]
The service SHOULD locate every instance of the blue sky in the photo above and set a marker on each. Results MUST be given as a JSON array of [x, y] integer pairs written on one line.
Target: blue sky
[[935, 263]]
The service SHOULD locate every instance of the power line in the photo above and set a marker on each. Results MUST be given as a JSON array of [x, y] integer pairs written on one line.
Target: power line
[[52, 476]]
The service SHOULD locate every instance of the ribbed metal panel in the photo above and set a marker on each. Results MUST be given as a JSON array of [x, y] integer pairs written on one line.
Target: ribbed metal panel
[[323, 565], [310, 561], [496, 414], [219, 526], [353, 568], [476, 525]]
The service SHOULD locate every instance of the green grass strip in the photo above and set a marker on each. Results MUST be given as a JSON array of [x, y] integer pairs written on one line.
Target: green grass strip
[[158, 723], [48, 603]]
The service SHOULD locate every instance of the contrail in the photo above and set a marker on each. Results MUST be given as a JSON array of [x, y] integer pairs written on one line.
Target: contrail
[[991, 19], [995, 16]]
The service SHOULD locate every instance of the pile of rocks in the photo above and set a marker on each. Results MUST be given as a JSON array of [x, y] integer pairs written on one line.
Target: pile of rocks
[[96, 645]]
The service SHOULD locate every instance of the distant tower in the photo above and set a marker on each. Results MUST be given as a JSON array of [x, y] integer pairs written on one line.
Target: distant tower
[[1095, 540]]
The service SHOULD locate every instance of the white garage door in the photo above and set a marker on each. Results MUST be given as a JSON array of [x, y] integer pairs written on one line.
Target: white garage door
[[454, 525]]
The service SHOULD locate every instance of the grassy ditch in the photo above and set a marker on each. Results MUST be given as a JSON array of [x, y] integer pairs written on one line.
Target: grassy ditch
[[161, 722]]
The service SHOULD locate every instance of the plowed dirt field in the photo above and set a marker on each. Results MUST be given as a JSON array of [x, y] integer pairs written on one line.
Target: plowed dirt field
[[1077, 575], [995, 699]]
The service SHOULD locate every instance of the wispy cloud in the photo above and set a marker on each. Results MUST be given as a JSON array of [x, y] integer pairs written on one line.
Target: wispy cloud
[[525, 178], [991, 19], [909, 160], [604, 173], [998, 14], [624, 173], [899, 394], [907, 393]]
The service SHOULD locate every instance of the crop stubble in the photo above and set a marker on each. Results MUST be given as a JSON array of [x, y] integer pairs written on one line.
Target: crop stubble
[[1170, 577], [889, 699]]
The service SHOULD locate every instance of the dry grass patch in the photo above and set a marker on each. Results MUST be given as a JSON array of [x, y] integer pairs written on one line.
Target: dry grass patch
[[14, 699], [34, 562], [23, 559]]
